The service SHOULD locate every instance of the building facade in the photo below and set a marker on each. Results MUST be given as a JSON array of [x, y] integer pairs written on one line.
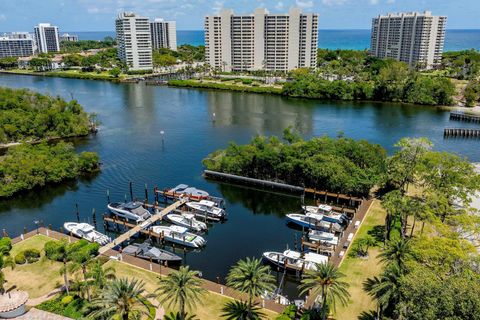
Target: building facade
[[164, 34], [69, 37], [46, 38], [134, 41], [261, 41], [17, 44], [414, 38]]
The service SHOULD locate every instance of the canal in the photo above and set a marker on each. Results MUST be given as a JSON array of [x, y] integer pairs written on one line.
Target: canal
[[131, 149]]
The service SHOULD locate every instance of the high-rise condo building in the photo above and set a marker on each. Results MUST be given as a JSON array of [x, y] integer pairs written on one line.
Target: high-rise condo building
[[164, 34], [17, 44], [414, 38], [134, 41], [46, 37], [261, 41]]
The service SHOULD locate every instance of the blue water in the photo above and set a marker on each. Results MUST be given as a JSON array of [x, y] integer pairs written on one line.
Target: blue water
[[327, 39]]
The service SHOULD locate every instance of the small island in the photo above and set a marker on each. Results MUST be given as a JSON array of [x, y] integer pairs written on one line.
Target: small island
[[29, 124]]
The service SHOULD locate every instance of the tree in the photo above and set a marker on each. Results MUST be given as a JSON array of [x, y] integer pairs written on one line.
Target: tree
[[181, 289], [115, 72], [5, 261], [326, 286], [121, 299], [178, 316], [240, 310], [80, 261], [385, 289], [251, 277], [397, 252], [99, 275]]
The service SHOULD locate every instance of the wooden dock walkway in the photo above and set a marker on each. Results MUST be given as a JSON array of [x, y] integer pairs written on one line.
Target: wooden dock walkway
[[461, 133], [142, 226], [457, 116]]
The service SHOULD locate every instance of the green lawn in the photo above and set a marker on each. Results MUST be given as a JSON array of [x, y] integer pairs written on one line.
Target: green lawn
[[209, 309], [358, 269], [39, 278]]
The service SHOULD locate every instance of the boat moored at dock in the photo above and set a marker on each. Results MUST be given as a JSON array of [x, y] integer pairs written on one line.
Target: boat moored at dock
[[327, 212], [87, 232], [187, 220], [180, 235], [133, 210], [323, 237], [207, 207], [147, 251], [183, 190], [308, 220], [294, 260]]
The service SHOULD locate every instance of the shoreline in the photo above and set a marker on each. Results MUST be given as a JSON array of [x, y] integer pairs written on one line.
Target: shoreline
[[194, 84]]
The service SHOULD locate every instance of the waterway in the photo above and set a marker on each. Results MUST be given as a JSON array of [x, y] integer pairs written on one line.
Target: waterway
[[131, 149]]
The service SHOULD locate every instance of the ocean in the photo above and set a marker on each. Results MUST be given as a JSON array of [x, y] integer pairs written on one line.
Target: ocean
[[456, 39]]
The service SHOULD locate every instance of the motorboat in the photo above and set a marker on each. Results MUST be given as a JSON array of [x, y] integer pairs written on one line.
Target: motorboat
[[327, 211], [183, 190], [147, 251], [133, 210], [187, 220], [294, 260], [323, 237], [87, 232], [276, 297], [207, 207], [308, 220], [180, 235]]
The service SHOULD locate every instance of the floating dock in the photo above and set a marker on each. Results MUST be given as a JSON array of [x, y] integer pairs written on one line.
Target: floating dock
[[457, 116], [461, 133]]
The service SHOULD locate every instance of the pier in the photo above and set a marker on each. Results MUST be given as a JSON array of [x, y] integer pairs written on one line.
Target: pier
[[457, 116], [141, 227], [461, 133]]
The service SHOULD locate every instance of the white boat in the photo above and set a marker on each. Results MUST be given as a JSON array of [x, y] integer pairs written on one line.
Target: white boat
[[327, 211], [308, 220], [187, 220], [180, 235], [294, 260], [185, 190], [87, 232], [208, 207], [131, 210], [323, 237]]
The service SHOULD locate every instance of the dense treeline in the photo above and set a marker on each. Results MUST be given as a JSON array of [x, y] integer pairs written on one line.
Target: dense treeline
[[430, 259], [369, 79], [165, 57], [472, 93], [27, 166], [84, 45], [106, 58], [338, 165], [461, 64], [26, 115]]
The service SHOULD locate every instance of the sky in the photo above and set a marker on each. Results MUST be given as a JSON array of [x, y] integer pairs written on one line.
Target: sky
[[99, 15]]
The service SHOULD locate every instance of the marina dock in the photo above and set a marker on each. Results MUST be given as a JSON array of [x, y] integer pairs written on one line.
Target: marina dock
[[457, 116], [461, 133], [142, 226]]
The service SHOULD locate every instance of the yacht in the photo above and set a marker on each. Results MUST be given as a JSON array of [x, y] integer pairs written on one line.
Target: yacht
[[323, 237], [180, 235], [87, 232], [294, 260], [207, 207], [308, 220], [133, 210], [147, 251], [327, 211], [187, 220]]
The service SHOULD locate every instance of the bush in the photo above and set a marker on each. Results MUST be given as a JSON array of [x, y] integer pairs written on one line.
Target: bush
[[66, 300], [20, 258], [53, 250], [223, 86], [32, 255], [288, 313], [5, 245]]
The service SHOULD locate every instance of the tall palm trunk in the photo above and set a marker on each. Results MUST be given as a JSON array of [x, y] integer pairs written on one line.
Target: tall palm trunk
[[84, 270], [413, 225], [324, 303]]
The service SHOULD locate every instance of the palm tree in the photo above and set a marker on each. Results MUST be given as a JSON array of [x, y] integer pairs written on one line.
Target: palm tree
[[80, 262], [325, 284], [251, 277], [5, 261], [398, 252], [121, 299], [240, 310], [177, 316], [98, 275], [181, 289], [385, 290]]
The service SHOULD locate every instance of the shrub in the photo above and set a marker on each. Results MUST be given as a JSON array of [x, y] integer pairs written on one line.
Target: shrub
[[20, 258], [32, 255], [66, 300], [288, 313], [5, 245], [53, 250]]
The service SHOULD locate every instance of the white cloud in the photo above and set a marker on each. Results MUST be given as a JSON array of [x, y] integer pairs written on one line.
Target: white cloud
[[304, 3], [333, 2], [3, 17]]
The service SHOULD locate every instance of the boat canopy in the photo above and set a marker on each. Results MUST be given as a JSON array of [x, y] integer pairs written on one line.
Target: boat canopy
[[189, 216], [317, 216], [316, 258], [132, 205], [325, 207], [178, 229], [207, 203], [85, 227]]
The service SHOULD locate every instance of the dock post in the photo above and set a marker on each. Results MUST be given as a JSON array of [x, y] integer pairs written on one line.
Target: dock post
[[4, 232], [94, 218], [24, 230], [130, 184], [146, 193], [78, 213], [108, 195]]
